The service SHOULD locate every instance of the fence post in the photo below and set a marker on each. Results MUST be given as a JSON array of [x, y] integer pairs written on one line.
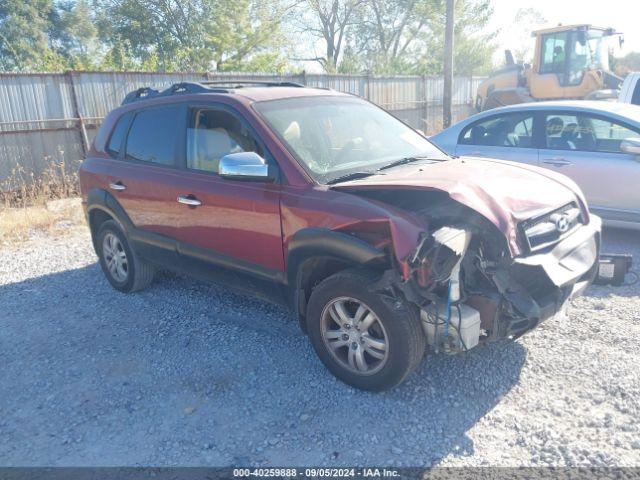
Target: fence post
[[304, 77], [368, 86], [425, 105], [84, 139]]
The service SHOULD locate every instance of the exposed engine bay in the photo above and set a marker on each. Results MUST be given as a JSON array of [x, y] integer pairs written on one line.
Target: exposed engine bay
[[467, 285]]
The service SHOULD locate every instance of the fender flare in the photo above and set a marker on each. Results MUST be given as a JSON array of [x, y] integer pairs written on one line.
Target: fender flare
[[99, 199], [320, 242], [310, 243]]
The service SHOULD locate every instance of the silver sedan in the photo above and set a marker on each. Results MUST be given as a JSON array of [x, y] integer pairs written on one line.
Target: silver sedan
[[597, 144]]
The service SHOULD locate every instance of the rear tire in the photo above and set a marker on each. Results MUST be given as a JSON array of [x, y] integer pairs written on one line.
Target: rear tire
[[364, 339], [123, 268]]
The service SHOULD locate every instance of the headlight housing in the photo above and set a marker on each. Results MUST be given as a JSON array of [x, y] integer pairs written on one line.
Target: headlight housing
[[550, 228]]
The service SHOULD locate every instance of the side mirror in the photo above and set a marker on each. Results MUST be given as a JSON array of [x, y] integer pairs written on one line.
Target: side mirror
[[244, 166], [631, 145]]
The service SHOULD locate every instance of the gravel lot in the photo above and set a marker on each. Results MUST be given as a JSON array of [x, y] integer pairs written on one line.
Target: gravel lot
[[191, 374]]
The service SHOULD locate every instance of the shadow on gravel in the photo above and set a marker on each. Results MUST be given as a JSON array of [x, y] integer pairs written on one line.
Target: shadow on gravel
[[187, 373]]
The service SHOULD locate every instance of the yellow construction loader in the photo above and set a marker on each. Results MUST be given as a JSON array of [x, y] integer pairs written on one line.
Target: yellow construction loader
[[570, 62]]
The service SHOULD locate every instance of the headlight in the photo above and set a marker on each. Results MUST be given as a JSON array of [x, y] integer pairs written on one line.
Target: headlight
[[443, 251]]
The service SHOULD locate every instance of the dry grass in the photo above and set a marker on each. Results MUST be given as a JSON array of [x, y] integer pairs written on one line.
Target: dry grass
[[31, 205], [24, 189], [56, 217]]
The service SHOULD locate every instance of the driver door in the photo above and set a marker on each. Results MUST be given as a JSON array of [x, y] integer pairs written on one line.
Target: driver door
[[226, 223]]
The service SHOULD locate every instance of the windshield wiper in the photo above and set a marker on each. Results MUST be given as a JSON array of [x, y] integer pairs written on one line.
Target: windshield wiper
[[402, 161], [350, 176]]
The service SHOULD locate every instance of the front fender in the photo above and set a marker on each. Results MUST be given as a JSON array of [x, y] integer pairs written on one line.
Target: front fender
[[320, 242]]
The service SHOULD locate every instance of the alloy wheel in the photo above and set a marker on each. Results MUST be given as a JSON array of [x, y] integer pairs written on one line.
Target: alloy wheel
[[354, 335], [115, 257]]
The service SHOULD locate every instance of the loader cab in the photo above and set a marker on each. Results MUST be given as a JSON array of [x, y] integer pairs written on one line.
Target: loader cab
[[571, 62]]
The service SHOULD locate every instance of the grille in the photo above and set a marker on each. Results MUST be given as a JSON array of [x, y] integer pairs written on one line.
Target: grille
[[550, 228]]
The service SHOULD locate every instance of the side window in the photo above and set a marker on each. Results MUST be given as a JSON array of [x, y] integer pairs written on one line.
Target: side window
[[153, 135], [553, 53], [585, 133], [511, 130], [635, 99], [212, 134], [117, 135], [609, 135], [562, 132]]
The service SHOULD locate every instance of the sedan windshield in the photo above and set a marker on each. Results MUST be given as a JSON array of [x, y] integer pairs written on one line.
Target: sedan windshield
[[341, 137]]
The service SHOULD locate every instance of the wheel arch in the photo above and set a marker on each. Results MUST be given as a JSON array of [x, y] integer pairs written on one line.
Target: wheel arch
[[102, 206], [315, 253]]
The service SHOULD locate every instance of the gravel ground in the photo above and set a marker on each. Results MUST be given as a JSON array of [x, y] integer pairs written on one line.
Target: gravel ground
[[186, 373]]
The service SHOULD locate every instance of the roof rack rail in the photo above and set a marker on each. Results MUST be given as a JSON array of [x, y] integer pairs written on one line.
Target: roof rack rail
[[200, 87], [175, 89], [263, 83], [140, 94], [190, 87]]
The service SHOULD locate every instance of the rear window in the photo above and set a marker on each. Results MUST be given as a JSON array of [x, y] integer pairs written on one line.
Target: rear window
[[153, 135], [117, 137]]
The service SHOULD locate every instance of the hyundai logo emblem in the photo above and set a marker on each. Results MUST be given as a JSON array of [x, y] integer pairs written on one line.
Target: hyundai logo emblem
[[562, 223]]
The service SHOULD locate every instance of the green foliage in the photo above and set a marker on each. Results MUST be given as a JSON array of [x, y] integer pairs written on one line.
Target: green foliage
[[473, 48], [379, 36], [24, 36], [350, 62], [407, 37], [195, 35], [629, 63], [77, 37]]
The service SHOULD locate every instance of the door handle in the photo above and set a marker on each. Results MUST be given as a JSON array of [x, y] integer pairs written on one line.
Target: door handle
[[117, 186], [557, 162], [189, 200]]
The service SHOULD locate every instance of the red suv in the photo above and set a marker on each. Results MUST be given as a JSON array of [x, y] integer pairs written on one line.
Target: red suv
[[381, 243]]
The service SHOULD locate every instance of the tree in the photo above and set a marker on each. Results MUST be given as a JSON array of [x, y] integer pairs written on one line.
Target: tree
[[629, 63], [76, 36], [407, 36], [194, 34], [24, 36], [519, 31], [389, 30], [350, 62], [330, 21], [473, 47]]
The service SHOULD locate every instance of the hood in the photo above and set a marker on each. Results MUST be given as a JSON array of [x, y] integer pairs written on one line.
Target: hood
[[505, 193]]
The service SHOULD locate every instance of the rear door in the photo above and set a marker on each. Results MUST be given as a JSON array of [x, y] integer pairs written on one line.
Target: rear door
[[586, 148], [235, 223], [507, 136], [144, 180]]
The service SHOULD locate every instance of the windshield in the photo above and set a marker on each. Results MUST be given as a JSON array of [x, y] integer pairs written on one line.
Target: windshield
[[333, 137]]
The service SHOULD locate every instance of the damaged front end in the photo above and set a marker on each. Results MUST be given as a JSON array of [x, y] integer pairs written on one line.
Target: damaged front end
[[471, 290], [470, 287], [486, 250]]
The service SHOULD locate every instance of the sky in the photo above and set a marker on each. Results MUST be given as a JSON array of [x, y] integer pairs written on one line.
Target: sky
[[623, 15]]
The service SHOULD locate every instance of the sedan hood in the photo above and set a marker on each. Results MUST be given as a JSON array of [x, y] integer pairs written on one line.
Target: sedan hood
[[505, 193]]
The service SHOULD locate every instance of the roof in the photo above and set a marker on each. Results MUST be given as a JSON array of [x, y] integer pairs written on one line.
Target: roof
[[564, 28], [623, 112], [258, 91], [260, 94], [626, 110]]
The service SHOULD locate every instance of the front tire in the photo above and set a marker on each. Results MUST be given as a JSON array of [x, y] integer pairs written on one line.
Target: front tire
[[123, 268], [364, 339]]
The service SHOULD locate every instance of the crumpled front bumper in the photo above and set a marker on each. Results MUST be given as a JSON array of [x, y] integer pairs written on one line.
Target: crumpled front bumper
[[537, 287]]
